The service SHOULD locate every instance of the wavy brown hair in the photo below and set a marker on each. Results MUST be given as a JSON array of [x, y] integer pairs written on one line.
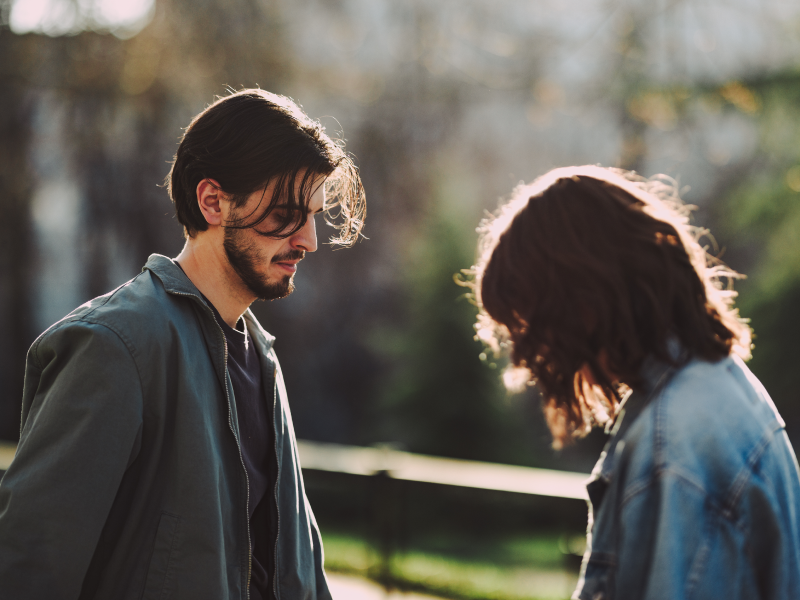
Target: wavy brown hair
[[593, 267]]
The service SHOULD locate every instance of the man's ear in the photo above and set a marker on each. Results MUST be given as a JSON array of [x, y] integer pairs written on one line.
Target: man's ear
[[209, 198]]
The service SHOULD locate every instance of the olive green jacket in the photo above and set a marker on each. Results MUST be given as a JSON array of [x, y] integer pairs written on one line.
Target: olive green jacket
[[128, 482]]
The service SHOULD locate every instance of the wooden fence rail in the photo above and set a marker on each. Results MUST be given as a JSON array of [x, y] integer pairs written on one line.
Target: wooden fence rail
[[445, 471], [406, 466]]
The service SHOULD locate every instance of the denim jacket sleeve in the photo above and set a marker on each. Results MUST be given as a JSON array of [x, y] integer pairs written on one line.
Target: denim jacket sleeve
[[81, 420]]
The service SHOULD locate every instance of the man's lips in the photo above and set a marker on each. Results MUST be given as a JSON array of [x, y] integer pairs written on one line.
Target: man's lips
[[290, 266], [288, 261]]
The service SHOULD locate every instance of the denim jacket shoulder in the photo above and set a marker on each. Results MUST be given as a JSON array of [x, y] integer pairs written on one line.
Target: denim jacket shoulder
[[697, 493]]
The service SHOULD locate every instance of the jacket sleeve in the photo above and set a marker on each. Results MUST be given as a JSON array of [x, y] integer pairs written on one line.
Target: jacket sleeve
[[301, 562], [81, 422], [321, 580]]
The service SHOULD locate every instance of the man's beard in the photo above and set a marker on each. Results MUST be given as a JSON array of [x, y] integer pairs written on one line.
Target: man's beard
[[244, 259]]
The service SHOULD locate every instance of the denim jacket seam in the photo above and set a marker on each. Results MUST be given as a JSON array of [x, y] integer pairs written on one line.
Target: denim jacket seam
[[659, 426], [700, 559], [745, 474], [727, 507], [766, 474], [633, 490], [685, 477]]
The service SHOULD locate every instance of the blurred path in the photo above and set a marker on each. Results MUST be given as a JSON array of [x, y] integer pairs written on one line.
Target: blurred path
[[350, 587]]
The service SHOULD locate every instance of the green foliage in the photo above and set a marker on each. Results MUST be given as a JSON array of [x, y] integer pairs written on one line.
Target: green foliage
[[441, 398], [767, 216], [761, 219], [524, 568], [764, 213]]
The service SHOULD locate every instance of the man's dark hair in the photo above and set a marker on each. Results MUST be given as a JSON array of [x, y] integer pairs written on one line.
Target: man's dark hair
[[251, 138], [594, 267]]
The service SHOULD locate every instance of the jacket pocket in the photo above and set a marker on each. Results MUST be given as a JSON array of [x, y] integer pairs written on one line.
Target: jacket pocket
[[158, 585]]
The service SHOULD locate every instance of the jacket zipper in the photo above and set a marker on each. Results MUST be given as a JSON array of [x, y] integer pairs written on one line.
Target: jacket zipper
[[238, 445], [277, 480]]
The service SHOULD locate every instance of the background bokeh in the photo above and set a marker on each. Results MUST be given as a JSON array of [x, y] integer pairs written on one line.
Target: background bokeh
[[446, 105]]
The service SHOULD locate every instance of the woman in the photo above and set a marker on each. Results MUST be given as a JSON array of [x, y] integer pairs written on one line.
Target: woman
[[595, 283]]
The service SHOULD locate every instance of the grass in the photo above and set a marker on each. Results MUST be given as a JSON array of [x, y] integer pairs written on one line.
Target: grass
[[522, 568]]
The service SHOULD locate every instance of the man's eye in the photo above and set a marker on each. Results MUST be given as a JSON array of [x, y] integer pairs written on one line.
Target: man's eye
[[286, 217]]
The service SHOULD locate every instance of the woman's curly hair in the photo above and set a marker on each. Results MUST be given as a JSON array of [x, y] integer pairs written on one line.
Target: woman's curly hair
[[598, 268]]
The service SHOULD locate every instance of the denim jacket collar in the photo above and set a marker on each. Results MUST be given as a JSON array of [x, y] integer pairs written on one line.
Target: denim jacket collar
[[655, 374]]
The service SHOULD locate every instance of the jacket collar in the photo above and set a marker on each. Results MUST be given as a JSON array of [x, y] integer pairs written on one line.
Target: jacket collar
[[175, 281], [655, 374], [171, 275], [258, 333]]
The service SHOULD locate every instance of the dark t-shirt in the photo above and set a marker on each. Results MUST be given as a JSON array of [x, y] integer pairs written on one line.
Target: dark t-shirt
[[255, 432], [255, 421]]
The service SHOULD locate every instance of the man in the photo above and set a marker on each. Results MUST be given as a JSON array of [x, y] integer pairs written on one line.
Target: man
[[594, 281], [157, 456]]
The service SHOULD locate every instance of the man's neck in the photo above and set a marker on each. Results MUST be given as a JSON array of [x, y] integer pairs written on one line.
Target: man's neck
[[209, 270]]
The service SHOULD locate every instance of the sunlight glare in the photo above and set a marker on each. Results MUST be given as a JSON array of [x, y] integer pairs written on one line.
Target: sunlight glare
[[123, 18], [27, 14], [52, 17], [123, 13]]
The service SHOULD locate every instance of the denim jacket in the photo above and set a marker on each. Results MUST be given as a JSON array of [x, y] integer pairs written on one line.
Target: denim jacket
[[697, 493], [128, 481]]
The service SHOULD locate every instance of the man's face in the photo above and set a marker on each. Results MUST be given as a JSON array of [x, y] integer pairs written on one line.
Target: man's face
[[267, 265]]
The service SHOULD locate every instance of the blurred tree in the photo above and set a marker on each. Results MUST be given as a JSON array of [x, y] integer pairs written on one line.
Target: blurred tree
[[116, 106], [440, 397], [16, 258], [759, 214], [343, 297]]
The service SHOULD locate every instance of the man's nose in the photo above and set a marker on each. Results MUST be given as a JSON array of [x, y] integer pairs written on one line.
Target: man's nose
[[306, 236]]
